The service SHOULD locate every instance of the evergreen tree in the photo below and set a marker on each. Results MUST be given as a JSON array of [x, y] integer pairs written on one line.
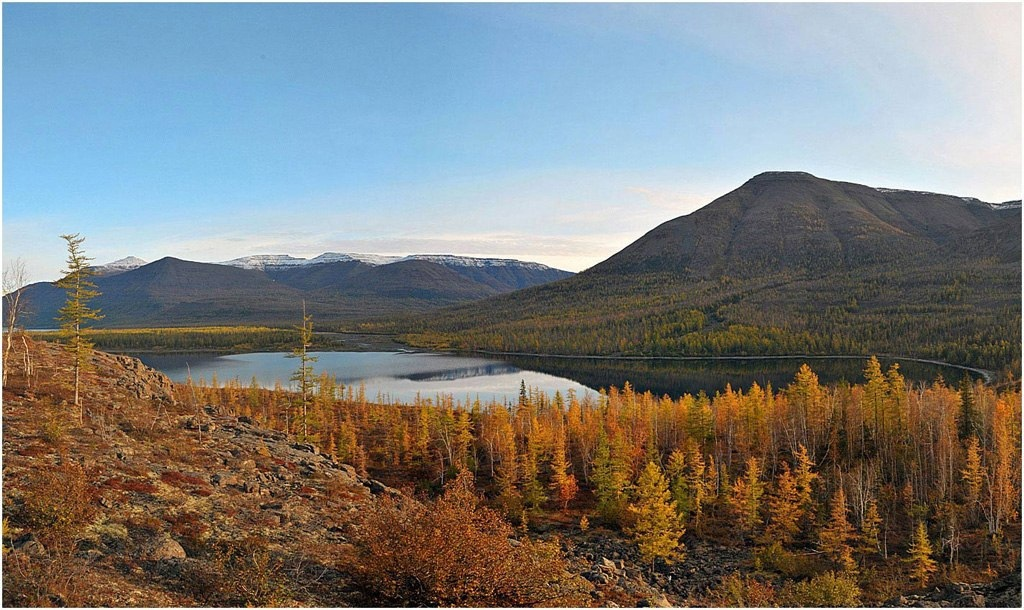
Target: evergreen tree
[[968, 423], [656, 526], [609, 480], [76, 313], [532, 490]]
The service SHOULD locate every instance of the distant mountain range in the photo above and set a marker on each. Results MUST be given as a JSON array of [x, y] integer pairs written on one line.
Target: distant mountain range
[[788, 263], [269, 289]]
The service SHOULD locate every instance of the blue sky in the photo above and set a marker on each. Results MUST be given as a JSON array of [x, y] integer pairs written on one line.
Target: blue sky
[[555, 133]]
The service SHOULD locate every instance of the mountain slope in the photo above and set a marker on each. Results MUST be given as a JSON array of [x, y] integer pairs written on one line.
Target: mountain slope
[[270, 289], [793, 221], [786, 264]]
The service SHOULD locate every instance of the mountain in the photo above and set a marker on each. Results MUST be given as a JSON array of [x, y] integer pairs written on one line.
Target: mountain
[[793, 221], [270, 289], [119, 266], [788, 263], [501, 274]]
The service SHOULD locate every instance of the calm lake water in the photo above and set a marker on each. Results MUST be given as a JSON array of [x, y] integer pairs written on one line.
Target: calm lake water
[[401, 376]]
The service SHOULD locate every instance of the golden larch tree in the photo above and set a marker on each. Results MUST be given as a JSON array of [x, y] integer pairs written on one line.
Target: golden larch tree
[[920, 555], [784, 510], [76, 313], [836, 535], [657, 526]]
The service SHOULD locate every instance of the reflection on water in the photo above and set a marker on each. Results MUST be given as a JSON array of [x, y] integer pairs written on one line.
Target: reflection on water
[[678, 377], [401, 376], [390, 375]]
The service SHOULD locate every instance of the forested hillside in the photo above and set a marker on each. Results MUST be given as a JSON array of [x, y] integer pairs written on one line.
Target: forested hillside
[[786, 264], [842, 495]]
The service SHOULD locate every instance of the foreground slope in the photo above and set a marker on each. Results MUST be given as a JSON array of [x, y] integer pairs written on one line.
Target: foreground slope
[[788, 263], [154, 498]]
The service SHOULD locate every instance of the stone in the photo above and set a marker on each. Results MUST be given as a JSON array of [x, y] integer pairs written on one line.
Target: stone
[[30, 545], [607, 563], [223, 479], [250, 487], [168, 549], [307, 447]]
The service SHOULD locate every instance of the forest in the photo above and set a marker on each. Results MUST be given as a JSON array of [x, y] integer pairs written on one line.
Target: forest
[[856, 488], [233, 339], [967, 314]]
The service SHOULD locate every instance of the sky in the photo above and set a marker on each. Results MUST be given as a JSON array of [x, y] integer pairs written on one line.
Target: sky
[[550, 133]]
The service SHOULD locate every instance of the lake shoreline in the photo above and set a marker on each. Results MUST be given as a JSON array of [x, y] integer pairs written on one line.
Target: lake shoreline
[[986, 374]]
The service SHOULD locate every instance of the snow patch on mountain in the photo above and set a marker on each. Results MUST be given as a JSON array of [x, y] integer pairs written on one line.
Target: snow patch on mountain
[[126, 263], [265, 261], [449, 260], [262, 261], [369, 259], [120, 265]]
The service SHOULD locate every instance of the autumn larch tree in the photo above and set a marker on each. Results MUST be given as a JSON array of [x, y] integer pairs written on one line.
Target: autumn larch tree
[[76, 313], [805, 478], [563, 483], [870, 528], [783, 508], [746, 496], [303, 375], [973, 475], [656, 525], [920, 555], [836, 535]]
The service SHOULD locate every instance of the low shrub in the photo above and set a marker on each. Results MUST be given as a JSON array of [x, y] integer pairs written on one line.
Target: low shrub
[[133, 485], [775, 558], [453, 552], [743, 592], [828, 590], [58, 502], [238, 573]]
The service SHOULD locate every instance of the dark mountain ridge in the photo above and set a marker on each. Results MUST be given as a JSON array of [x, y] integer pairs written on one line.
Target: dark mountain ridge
[[175, 292]]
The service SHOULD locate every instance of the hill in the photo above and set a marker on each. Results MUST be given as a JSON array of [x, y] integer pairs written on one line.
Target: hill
[[151, 498], [788, 263], [271, 289]]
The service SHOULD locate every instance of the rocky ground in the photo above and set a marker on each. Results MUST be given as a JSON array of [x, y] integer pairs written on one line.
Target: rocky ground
[[1003, 593], [188, 506], [171, 483]]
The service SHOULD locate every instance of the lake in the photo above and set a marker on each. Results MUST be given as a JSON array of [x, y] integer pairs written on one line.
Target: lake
[[401, 376]]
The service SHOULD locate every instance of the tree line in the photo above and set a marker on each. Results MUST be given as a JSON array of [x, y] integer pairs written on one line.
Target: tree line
[[878, 474]]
